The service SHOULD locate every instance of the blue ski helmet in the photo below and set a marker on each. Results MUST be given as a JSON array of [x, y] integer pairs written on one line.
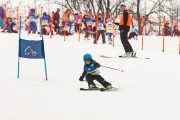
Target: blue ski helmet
[[122, 4], [87, 56]]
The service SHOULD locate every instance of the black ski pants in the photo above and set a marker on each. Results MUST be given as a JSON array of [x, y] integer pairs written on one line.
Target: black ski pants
[[102, 33], [90, 80], [124, 39], [87, 33]]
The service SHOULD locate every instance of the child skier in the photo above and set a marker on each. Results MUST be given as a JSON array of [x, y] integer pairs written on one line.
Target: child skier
[[109, 29], [92, 73], [46, 24], [85, 26], [33, 24], [100, 29]]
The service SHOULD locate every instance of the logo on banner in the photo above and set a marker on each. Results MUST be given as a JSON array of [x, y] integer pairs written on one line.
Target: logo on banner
[[29, 52]]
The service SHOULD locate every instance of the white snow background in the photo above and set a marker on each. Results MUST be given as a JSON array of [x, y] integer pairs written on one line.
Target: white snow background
[[148, 89]]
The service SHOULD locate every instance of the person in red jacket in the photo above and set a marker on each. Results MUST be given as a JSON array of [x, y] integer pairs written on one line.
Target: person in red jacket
[[175, 31]]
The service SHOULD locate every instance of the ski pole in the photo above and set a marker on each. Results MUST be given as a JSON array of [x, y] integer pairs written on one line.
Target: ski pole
[[112, 68]]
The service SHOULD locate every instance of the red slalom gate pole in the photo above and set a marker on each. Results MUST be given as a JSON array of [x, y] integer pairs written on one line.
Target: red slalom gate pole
[[17, 17], [79, 32], [113, 30], [65, 31], [51, 26]]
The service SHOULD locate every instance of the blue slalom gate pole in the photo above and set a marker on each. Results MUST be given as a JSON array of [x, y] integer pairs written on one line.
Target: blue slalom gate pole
[[18, 48], [43, 51]]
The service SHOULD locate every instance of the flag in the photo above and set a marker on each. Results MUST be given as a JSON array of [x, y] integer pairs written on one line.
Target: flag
[[31, 49]]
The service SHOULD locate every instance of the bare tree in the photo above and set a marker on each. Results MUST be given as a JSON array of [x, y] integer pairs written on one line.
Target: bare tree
[[105, 7]]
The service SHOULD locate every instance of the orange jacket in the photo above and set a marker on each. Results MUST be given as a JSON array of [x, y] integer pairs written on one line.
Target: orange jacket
[[124, 20], [65, 17]]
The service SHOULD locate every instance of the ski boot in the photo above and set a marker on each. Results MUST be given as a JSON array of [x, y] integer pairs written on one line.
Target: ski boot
[[93, 87]]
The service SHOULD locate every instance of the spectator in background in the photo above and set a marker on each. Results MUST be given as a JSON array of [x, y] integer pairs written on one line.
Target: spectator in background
[[66, 17], [91, 24], [85, 26], [109, 29], [100, 29], [134, 34], [10, 26], [46, 24], [33, 23], [167, 29], [175, 31], [56, 20], [77, 20], [66, 22]]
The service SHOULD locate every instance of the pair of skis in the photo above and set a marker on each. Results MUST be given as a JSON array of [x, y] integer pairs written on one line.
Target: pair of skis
[[99, 89], [121, 56]]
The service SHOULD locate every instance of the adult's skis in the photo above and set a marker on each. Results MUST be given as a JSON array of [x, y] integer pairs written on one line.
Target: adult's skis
[[122, 56]]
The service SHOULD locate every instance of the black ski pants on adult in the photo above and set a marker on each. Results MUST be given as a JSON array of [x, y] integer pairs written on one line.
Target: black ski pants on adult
[[90, 80], [124, 39]]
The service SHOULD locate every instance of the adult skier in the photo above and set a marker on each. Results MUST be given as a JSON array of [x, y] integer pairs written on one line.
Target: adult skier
[[124, 27]]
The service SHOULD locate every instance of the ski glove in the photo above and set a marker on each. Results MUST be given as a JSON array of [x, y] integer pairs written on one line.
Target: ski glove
[[97, 65], [81, 78]]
